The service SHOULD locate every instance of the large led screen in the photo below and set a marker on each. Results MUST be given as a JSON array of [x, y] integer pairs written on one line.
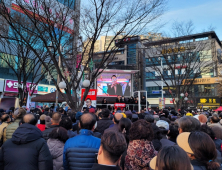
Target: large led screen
[[112, 85]]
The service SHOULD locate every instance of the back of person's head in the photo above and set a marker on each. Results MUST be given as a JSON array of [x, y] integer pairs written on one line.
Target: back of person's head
[[217, 131], [214, 118], [87, 121], [117, 117], [66, 123], [202, 118], [173, 132], [5, 118], [47, 109], [59, 133], [61, 110], [188, 124], [163, 126], [19, 113], [149, 118], [124, 127], [72, 116], [208, 130], [105, 113], [141, 129], [199, 146], [134, 117], [113, 144], [220, 115], [204, 149], [56, 117], [30, 119], [42, 119], [171, 158]]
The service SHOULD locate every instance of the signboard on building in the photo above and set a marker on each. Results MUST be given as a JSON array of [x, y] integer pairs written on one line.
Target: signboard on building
[[92, 94], [12, 86], [202, 81], [44, 89]]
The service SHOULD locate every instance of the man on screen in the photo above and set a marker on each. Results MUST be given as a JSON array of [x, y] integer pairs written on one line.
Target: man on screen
[[115, 88]]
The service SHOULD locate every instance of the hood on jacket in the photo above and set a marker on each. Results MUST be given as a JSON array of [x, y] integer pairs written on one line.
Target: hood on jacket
[[26, 133], [55, 147]]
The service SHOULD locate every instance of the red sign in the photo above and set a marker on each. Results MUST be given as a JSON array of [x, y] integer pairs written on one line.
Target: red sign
[[92, 94], [121, 105]]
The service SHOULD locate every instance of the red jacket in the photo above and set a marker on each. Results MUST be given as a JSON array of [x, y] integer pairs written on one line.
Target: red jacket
[[41, 127]]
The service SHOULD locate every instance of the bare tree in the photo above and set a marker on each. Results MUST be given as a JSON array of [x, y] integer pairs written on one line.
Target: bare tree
[[58, 28], [183, 61]]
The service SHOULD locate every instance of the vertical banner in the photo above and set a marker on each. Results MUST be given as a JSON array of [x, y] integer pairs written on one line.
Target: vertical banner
[[161, 104], [28, 103], [91, 95]]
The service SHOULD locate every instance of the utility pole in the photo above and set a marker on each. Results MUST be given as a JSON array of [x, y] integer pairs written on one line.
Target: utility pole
[[161, 65]]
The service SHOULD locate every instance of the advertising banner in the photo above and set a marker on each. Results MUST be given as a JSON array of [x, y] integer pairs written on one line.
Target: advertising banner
[[161, 104], [12, 86], [92, 95], [112, 85]]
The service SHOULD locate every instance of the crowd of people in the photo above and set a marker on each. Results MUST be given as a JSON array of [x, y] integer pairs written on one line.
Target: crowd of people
[[43, 139]]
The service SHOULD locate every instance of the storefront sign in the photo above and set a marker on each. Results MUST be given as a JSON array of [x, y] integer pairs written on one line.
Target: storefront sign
[[209, 100], [44, 89], [176, 50], [12, 86], [202, 81]]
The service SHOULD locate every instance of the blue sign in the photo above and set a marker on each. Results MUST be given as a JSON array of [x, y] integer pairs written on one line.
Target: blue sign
[[52, 90], [156, 91]]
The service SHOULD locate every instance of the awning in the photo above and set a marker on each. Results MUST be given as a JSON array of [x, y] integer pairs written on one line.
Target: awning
[[50, 98]]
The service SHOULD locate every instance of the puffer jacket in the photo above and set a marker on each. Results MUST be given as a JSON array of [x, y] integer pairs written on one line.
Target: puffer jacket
[[80, 151], [2, 127], [11, 129], [56, 149], [46, 132], [26, 150]]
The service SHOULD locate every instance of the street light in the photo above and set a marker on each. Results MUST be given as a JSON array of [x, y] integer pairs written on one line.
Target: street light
[[182, 95], [86, 83], [62, 85]]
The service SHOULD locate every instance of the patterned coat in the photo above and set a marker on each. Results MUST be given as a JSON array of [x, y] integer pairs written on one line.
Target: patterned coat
[[139, 154]]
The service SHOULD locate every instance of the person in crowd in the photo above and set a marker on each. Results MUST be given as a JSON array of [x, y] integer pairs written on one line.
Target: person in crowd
[[56, 142], [41, 126], [113, 144], [56, 118], [26, 149], [215, 121], [118, 99], [171, 158], [105, 122], [114, 88], [104, 102], [10, 129], [217, 131], [200, 149], [136, 103], [62, 112], [91, 110], [84, 145], [128, 114], [46, 111], [157, 136], [202, 118], [173, 132], [123, 100], [124, 127], [188, 124], [217, 142], [67, 124], [134, 118], [116, 119], [88, 105], [164, 130], [5, 122], [47, 122], [140, 150], [131, 102]]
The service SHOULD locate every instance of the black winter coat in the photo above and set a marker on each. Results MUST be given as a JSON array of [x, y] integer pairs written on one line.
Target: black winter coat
[[48, 131], [26, 150], [103, 124]]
